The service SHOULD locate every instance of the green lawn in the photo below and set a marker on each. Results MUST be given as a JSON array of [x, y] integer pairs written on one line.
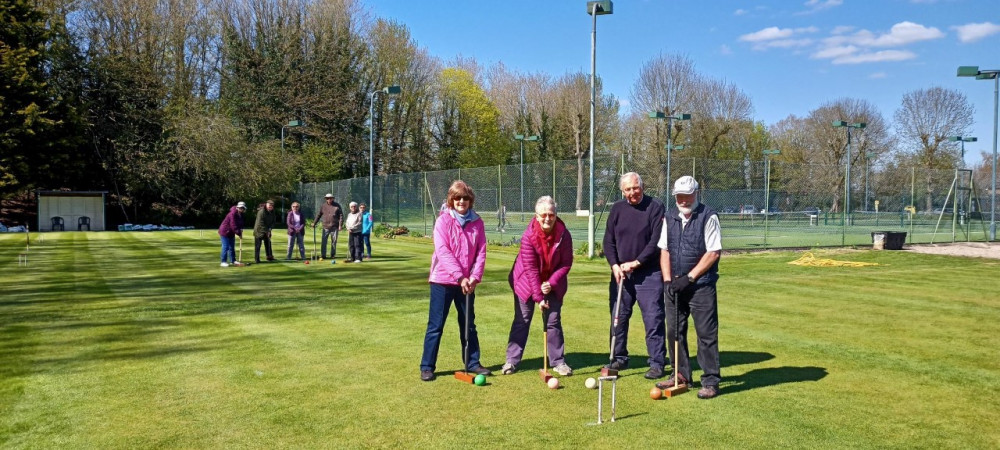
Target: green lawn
[[112, 340]]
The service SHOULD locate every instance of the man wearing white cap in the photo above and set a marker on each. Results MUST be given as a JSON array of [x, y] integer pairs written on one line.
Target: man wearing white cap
[[332, 215], [690, 247]]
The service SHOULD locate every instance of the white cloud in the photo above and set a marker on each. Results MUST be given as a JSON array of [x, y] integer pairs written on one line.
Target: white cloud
[[879, 56], [725, 50], [835, 52], [739, 12], [972, 32], [842, 29], [819, 5], [904, 33], [878, 75], [772, 33], [783, 43]]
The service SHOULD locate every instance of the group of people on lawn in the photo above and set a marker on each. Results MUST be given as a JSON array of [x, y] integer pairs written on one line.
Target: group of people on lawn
[[666, 261], [358, 223]]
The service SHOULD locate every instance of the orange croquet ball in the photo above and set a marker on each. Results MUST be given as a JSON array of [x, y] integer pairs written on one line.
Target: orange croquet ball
[[307, 261], [655, 393]]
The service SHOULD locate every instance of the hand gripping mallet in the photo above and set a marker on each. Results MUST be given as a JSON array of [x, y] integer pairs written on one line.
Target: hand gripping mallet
[[678, 388], [464, 375], [544, 371], [607, 371]]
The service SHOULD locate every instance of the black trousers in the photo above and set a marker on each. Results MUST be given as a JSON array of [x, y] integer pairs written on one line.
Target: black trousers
[[355, 246], [701, 303], [256, 248], [646, 289]]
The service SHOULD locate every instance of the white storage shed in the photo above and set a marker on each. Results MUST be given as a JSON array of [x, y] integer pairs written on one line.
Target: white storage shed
[[71, 210]]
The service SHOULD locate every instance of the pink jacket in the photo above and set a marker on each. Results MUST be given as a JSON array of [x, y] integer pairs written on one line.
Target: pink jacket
[[459, 252], [525, 277]]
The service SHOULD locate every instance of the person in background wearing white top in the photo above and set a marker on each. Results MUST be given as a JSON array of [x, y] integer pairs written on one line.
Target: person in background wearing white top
[[353, 225], [690, 247]]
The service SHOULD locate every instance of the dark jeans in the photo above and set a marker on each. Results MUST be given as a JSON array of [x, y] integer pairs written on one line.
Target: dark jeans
[[228, 248], [294, 239], [441, 298], [266, 240], [354, 246], [646, 289], [701, 303], [367, 238], [519, 328], [331, 234]]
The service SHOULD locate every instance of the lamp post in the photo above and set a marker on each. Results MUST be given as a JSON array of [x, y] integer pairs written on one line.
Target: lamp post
[[290, 124], [973, 71], [371, 139], [521, 138], [594, 9], [868, 164], [963, 140], [767, 187], [670, 121], [847, 183]]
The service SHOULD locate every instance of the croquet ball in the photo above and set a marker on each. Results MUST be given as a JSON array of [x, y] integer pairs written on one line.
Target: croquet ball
[[553, 383], [655, 393], [307, 262], [480, 380], [590, 383]]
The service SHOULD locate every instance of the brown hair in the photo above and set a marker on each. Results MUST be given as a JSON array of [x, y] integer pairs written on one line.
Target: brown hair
[[460, 189]]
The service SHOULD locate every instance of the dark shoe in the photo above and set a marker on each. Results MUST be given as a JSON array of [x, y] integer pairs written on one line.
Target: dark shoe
[[707, 392], [670, 382], [480, 370], [270, 258], [427, 375], [654, 373], [617, 364], [256, 261], [348, 261]]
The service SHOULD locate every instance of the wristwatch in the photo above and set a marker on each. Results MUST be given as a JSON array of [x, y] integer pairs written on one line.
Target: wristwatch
[[690, 278]]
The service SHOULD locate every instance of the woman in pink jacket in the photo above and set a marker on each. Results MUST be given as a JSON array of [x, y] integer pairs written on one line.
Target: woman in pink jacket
[[456, 268], [539, 278]]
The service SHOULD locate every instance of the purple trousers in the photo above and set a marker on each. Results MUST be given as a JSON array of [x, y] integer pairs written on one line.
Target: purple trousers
[[523, 312]]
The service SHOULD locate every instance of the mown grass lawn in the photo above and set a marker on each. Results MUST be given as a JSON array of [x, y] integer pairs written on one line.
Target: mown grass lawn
[[111, 340]]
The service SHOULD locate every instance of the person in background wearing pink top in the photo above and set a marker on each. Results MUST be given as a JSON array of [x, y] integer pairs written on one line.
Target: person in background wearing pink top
[[539, 278], [456, 268]]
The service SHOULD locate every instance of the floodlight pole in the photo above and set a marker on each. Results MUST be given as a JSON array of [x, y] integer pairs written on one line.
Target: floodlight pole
[[594, 8], [767, 188], [521, 138], [868, 164], [670, 125], [291, 124], [371, 140], [847, 183], [973, 71]]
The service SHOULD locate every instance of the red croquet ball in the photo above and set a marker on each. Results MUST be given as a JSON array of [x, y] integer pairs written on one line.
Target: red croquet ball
[[307, 262], [655, 393]]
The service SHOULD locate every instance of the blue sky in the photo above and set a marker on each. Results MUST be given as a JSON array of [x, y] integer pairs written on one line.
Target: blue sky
[[789, 56]]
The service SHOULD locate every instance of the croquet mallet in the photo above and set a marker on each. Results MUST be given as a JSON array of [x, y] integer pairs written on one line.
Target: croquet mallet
[[464, 375], [678, 388], [544, 371], [607, 371]]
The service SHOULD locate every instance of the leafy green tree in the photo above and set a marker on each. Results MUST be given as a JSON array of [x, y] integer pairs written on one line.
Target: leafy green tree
[[472, 121]]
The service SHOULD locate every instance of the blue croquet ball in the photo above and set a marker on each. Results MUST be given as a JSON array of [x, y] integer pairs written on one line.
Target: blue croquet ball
[[480, 380]]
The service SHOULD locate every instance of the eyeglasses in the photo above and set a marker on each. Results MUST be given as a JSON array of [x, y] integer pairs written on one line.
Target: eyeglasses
[[463, 197]]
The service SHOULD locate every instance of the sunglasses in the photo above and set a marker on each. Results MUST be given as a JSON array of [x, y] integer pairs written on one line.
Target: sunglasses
[[463, 197]]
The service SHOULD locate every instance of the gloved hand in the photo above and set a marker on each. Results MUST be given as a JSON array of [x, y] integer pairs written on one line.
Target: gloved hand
[[679, 283]]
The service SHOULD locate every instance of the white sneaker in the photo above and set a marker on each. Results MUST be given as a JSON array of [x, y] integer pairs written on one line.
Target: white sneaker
[[357, 260], [508, 369], [563, 370], [224, 264]]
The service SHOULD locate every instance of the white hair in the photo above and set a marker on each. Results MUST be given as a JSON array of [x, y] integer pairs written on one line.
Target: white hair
[[547, 201], [629, 175]]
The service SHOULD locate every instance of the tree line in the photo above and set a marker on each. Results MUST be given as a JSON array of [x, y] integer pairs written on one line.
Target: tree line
[[179, 108]]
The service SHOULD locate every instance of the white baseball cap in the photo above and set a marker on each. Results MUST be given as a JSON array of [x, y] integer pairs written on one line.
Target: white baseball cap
[[241, 205], [685, 185], [328, 196]]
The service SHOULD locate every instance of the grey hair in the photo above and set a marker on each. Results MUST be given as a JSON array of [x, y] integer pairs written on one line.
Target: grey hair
[[546, 200], [626, 176]]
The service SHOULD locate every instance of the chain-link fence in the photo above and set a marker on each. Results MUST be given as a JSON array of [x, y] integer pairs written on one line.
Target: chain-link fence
[[760, 204]]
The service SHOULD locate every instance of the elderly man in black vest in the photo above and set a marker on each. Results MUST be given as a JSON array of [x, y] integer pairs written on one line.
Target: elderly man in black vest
[[691, 243], [630, 247]]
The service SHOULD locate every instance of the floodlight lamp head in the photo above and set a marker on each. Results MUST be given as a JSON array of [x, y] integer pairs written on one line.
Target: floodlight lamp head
[[860, 125], [600, 8], [839, 123], [968, 71], [295, 123], [682, 117], [392, 89], [657, 115], [531, 138], [519, 137]]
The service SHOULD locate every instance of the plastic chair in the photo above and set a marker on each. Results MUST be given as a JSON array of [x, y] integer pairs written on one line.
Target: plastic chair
[[83, 221], [57, 222]]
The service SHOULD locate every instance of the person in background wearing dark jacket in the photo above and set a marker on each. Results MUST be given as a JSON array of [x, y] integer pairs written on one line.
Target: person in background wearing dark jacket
[[296, 222], [231, 227], [691, 244], [630, 247], [333, 219], [266, 219], [539, 278]]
